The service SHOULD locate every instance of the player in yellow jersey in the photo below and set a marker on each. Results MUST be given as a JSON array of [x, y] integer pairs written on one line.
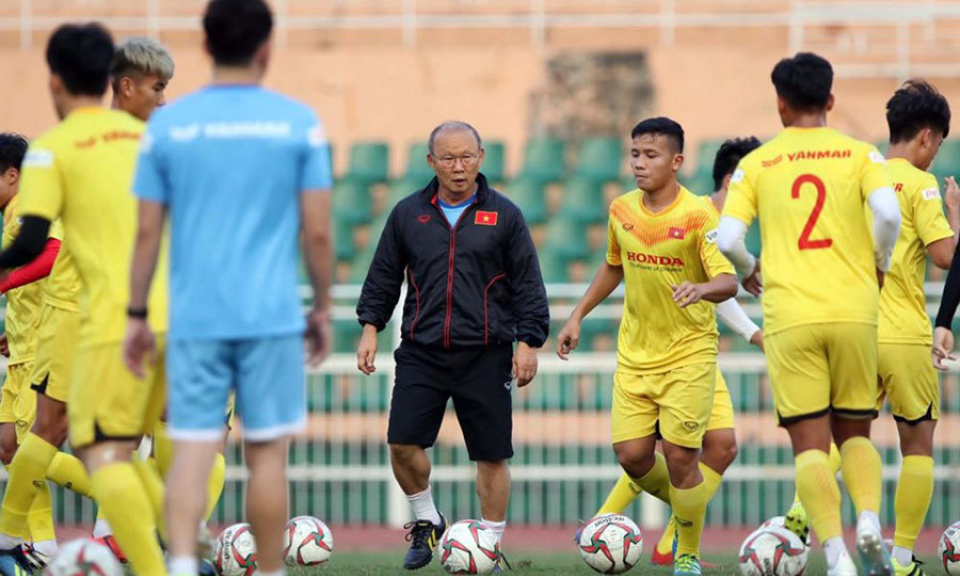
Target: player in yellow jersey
[[662, 244], [919, 119], [808, 186], [81, 172]]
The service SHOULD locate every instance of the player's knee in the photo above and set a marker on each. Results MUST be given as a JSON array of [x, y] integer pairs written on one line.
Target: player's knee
[[634, 460], [51, 427], [404, 454], [8, 449], [720, 457]]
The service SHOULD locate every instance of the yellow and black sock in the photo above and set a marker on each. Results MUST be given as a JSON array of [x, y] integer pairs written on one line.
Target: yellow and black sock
[[689, 511], [68, 471], [656, 482]]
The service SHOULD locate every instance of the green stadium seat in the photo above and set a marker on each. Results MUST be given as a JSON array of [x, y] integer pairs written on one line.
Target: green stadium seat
[[493, 162], [346, 334], [400, 189], [417, 167], [553, 266], [600, 159], [752, 240], [343, 247], [530, 195], [567, 238], [947, 162], [369, 161], [699, 183], [351, 201], [544, 158], [583, 201]]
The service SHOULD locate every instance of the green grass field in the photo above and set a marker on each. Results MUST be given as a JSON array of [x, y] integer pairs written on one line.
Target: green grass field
[[381, 564]]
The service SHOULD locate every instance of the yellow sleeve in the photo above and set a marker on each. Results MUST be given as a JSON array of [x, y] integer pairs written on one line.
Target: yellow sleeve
[[613, 245], [873, 172], [742, 197], [928, 216], [714, 262], [41, 187], [56, 230]]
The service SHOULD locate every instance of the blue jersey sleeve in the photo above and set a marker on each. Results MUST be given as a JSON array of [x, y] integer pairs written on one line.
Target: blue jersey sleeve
[[148, 182], [316, 173]]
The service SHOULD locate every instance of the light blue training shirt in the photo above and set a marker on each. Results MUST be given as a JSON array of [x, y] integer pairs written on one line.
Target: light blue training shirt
[[230, 162], [453, 211]]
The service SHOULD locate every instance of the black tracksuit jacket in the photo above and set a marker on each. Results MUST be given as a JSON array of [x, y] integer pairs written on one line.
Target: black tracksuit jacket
[[475, 282]]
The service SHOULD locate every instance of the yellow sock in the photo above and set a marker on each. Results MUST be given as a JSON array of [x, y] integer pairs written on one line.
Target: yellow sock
[[834, 462], [68, 471], [624, 492], [162, 448], [153, 487], [215, 485], [689, 509], [819, 493], [862, 473], [125, 504], [665, 544], [914, 491], [712, 479], [27, 480], [656, 482], [40, 516]]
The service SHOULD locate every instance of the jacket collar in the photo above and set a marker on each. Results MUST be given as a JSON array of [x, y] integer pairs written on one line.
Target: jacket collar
[[429, 194]]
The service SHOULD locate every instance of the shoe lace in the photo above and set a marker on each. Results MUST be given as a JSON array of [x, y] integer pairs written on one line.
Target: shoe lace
[[686, 562], [419, 532]]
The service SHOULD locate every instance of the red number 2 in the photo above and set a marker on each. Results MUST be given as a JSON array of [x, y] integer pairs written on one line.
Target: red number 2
[[805, 243]]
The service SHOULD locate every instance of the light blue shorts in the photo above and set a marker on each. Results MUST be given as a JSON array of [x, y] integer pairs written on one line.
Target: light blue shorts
[[267, 375]]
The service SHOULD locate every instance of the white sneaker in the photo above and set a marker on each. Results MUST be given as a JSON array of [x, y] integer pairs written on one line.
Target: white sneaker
[[874, 556], [844, 566]]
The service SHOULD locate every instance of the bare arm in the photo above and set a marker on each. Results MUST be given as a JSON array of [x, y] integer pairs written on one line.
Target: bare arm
[[317, 254], [145, 252], [941, 251]]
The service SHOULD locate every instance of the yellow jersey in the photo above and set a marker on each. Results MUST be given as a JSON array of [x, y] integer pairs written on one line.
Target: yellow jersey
[[903, 305], [659, 250], [23, 303], [81, 172], [808, 186], [63, 285]]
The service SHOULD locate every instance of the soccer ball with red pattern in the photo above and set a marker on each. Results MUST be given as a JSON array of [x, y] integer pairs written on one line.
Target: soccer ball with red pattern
[[84, 557], [611, 544], [469, 547], [949, 550], [773, 551], [235, 552], [307, 541]]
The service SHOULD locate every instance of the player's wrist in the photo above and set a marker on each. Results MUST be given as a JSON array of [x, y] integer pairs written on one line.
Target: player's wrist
[[137, 312]]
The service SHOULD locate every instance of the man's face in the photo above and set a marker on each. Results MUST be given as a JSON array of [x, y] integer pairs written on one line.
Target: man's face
[[930, 142], [141, 95], [456, 159], [654, 161]]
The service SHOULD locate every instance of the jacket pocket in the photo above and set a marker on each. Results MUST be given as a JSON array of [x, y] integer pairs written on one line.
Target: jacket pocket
[[486, 306]]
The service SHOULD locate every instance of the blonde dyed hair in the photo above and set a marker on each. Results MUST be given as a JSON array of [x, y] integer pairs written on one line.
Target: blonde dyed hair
[[143, 56]]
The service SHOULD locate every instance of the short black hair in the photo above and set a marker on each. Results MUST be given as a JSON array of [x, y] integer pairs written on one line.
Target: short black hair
[[804, 81], [915, 106], [661, 126], [80, 54], [235, 29], [729, 155], [13, 147]]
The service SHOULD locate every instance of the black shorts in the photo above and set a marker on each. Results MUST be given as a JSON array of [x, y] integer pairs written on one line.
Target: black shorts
[[478, 380]]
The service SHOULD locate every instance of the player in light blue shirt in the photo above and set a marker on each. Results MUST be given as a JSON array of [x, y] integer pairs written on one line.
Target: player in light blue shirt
[[241, 171]]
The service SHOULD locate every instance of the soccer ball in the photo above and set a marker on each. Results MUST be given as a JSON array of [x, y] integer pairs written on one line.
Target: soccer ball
[[611, 544], [779, 522], [235, 552], [84, 557], [773, 551], [949, 550], [307, 542], [469, 547]]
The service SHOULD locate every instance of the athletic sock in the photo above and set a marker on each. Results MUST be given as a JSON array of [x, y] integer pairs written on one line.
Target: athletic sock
[[68, 471], [123, 498], [712, 479], [912, 501], [689, 508], [153, 487], [862, 473], [833, 548], [40, 516], [48, 548], [162, 448], [101, 527], [624, 492], [656, 482], [835, 459], [497, 528], [819, 492], [665, 544], [423, 506], [215, 485], [27, 473], [183, 566]]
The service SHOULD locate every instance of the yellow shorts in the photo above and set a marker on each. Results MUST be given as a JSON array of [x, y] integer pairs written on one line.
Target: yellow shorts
[[909, 380], [721, 415], [107, 402], [56, 348], [681, 400], [816, 369], [18, 403]]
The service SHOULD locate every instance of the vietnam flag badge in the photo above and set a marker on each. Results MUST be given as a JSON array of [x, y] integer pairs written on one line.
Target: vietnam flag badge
[[677, 233], [485, 218]]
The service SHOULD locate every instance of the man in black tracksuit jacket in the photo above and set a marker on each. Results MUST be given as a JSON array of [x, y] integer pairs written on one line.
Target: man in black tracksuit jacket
[[473, 288]]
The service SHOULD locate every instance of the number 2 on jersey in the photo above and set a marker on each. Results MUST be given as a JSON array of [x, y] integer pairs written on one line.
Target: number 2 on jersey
[[805, 243]]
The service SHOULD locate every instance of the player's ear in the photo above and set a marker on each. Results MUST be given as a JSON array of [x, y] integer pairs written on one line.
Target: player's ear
[[830, 102], [11, 176], [677, 162]]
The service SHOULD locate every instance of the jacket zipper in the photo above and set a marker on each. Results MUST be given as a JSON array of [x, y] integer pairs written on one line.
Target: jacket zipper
[[450, 263]]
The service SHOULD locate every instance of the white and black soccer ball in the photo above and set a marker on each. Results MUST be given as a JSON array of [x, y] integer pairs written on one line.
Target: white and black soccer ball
[[469, 547], [235, 552], [773, 551], [611, 544], [949, 550], [307, 541], [84, 557]]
